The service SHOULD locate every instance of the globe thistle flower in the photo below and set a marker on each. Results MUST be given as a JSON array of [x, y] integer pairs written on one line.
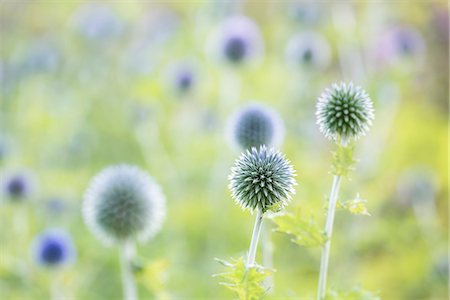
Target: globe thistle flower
[[344, 111], [261, 178], [308, 49], [255, 125], [53, 248], [123, 202], [237, 40], [17, 186]]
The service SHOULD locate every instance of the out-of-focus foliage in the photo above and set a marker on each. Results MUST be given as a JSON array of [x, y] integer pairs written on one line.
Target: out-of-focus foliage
[[88, 84], [304, 231], [356, 293]]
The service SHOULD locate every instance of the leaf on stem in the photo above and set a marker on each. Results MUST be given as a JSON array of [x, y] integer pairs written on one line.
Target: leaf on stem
[[356, 206], [304, 231], [246, 283], [343, 161]]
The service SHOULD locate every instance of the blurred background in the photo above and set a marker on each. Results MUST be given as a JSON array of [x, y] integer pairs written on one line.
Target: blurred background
[[87, 84]]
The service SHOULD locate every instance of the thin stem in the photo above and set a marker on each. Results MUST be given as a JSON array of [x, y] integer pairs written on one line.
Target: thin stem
[[329, 230], [129, 286], [255, 237]]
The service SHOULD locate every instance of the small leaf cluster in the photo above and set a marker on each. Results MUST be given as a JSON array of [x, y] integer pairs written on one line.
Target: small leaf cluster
[[246, 283], [356, 206], [304, 231], [343, 162]]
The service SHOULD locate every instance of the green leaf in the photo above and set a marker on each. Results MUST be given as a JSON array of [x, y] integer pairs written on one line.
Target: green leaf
[[304, 232], [343, 161], [356, 293], [356, 206], [246, 283], [153, 275]]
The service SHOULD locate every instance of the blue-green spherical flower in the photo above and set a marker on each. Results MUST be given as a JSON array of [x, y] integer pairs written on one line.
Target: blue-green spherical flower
[[123, 202], [344, 111], [261, 178], [308, 49], [53, 248], [255, 125]]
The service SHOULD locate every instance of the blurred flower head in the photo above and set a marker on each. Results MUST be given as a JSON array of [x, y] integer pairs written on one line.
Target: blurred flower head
[[237, 41], [41, 56], [262, 178], [182, 77], [53, 248], [123, 202], [397, 43], [97, 22], [17, 186], [345, 111], [308, 49], [254, 125]]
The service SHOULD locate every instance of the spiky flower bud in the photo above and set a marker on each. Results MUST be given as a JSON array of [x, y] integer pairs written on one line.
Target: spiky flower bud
[[255, 125], [123, 202], [53, 248], [261, 178], [344, 111]]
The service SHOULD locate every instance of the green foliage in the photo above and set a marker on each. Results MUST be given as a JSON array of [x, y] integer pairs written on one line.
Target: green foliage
[[356, 293], [304, 231], [343, 161], [153, 275], [356, 206], [246, 283]]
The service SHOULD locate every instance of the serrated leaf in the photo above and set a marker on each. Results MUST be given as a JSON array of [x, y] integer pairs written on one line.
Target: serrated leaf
[[246, 283], [356, 293], [304, 232], [343, 162], [356, 206]]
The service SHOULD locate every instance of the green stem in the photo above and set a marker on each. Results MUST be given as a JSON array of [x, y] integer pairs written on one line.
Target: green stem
[[254, 242], [328, 232], [129, 286], [321, 291]]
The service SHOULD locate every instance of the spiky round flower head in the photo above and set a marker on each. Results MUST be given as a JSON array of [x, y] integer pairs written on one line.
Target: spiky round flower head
[[261, 178], [123, 202], [344, 111], [237, 40], [53, 248], [255, 125], [308, 49]]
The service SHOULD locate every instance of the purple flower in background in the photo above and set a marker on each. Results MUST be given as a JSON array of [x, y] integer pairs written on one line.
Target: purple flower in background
[[399, 42], [182, 77], [308, 49], [96, 21], [238, 40], [17, 186], [53, 248], [254, 125]]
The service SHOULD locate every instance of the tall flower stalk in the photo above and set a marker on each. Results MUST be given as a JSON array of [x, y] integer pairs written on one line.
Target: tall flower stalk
[[260, 179], [344, 113], [122, 204]]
